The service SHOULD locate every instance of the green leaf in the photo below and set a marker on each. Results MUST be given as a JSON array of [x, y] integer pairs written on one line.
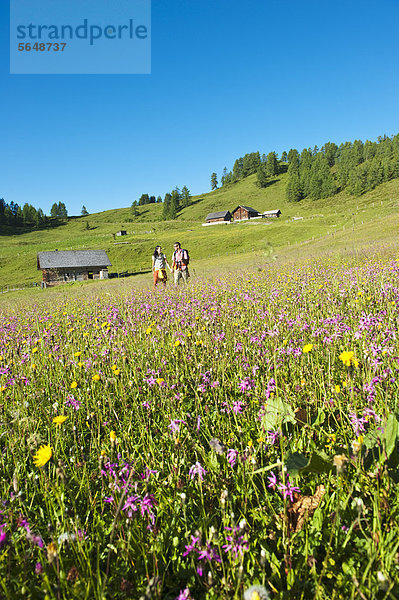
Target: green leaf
[[295, 463], [277, 412], [390, 434], [321, 415], [318, 462]]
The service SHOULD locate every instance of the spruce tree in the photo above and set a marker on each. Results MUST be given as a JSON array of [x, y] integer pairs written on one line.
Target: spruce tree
[[237, 169], [214, 181], [166, 207], [272, 164], [293, 159], [185, 196], [294, 189]]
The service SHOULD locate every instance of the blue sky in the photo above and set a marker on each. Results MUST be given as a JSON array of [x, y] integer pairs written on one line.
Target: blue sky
[[227, 78]]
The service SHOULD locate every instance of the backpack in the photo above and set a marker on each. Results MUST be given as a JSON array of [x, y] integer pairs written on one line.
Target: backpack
[[186, 256]]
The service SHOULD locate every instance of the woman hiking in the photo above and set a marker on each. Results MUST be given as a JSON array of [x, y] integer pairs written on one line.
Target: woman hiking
[[159, 263]]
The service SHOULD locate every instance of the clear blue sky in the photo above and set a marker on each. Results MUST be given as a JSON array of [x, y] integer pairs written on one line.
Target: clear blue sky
[[227, 78]]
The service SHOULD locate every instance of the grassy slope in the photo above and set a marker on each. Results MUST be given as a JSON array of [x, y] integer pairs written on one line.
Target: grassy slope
[[341, 219]]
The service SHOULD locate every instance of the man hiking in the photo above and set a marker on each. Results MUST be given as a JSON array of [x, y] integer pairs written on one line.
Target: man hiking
[[180, 261]]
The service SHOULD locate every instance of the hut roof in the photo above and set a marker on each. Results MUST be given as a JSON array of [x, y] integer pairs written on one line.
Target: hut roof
[[218, 215], [72, 258], [248, 208]]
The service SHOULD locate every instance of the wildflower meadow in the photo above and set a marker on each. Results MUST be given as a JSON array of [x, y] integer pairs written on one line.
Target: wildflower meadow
[[236, 438]]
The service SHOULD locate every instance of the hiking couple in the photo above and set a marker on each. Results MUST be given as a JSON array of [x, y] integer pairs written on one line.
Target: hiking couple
[[180, 261]]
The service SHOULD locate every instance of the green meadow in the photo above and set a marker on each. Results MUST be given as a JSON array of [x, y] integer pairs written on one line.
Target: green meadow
[[325, 225], [235, 439]]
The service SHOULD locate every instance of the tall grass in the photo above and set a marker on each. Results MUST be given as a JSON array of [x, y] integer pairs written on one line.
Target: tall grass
[[239, 431]]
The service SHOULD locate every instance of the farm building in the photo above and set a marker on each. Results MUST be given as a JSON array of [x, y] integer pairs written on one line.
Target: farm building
[[219, 217], [244, 212], [61, 266], [271, 214], [121, 232]]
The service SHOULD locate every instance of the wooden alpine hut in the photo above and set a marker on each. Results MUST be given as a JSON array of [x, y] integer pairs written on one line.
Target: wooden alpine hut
[[62, 266], [223, 216], [242, 213]]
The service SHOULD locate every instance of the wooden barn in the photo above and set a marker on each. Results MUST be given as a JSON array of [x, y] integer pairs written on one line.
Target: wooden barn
[[62, 266], [244, 212], [121, 232], [219, 217], [271, 214]]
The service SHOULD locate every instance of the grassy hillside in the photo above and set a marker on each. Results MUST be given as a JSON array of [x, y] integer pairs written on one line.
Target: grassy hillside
[[340, 219]]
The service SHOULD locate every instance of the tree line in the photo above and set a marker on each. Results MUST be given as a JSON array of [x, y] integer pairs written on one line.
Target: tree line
[[173, 202], [264, 166], [356, 167], [28, 217], [321, 172]]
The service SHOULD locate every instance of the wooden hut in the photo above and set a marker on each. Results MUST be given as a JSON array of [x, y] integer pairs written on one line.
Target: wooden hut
[[271, 214], [62, 266], [223, 216], [244, 212]]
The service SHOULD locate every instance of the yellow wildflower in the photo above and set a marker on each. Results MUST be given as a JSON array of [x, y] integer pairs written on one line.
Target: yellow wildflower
[[77, 354], [307, 348], [43, 455], [337, 389], [96, 377], [74, 385], [348, 358], [177, 343], [160, 380], [331, 441], [112, 436], [357, 444], [148, 330], [60, 419]]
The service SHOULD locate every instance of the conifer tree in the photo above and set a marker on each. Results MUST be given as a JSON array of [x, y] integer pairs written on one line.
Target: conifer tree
[[294, 189], [174, 203], [262, 178], [272, 164], [166, 207], [185, 196], [214, 181]]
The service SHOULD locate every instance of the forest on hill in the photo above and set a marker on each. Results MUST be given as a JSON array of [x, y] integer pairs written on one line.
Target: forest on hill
[[356, 167], [317, 173]]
